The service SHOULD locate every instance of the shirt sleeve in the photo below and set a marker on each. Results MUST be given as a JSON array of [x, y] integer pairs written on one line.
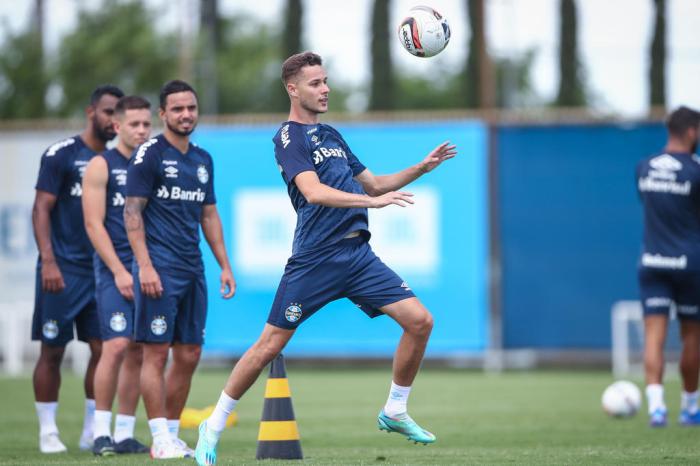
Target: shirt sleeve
[[210, 198], [51, 173], [293, 155], [141, 174], [355, 165]]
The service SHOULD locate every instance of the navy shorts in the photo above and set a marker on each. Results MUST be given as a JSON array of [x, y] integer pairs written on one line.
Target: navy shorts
[[56, 313], [178, 316], [662, 289], [116, 313], [348, 269]]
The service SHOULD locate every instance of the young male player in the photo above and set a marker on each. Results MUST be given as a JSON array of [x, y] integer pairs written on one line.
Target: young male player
[[331, 190], [669, 269], [170, 193], [119, 367], [65, 282]]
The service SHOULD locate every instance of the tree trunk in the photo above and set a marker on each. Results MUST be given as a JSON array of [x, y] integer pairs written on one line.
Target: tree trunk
[[211, 39], [479, 89], [382, 87], [570, 86], [657, 70]]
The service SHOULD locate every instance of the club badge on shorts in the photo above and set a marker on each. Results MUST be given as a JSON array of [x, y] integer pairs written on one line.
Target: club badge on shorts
[[158, 325], [118, 322], [50, 329], [293, 312], [202, 174]]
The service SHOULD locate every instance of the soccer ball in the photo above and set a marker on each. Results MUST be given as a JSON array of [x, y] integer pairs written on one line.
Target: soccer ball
[[424, 32], [622, 399]]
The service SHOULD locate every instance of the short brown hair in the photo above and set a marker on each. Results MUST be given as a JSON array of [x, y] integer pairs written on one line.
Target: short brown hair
[[293, 65], [131, 102]]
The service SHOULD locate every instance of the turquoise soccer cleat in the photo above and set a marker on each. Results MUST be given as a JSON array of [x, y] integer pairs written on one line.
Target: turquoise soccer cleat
[[405, 426], [686, 419], [205, 452]]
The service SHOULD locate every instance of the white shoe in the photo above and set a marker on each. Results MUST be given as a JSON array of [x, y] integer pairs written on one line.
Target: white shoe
[[181, 443], [50, 443], [86, 442], [167, 449]]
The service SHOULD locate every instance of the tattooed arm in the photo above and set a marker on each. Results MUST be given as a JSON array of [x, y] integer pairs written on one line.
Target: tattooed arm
[[135, 231]]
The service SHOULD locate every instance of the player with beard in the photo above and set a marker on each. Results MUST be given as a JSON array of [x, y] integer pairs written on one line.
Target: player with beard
[[331, 190], [170, 193], [65, 281]]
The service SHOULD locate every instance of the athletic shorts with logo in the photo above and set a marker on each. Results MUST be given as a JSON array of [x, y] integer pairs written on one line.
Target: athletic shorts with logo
[[348, 269], [116, 313], [178, 316], [55, 314], [662, 289]]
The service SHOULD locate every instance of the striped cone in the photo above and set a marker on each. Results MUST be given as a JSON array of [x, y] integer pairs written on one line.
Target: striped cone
[[279, 436]]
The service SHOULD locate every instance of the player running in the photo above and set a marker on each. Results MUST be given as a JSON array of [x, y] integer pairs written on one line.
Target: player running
[[669, 269], [331, 190], [65, 282], [119, 367], [170, 193]]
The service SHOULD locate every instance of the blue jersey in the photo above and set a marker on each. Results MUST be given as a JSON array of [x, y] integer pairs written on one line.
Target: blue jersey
[[669, 186], [61, 174], [177, 187], [319, 148], [114, 212]]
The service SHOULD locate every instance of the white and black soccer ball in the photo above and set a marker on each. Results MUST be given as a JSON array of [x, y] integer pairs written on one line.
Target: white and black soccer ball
[[622, 399], [424, 32]]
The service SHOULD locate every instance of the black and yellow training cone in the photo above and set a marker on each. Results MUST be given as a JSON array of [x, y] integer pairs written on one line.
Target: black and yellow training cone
[[279, 436]]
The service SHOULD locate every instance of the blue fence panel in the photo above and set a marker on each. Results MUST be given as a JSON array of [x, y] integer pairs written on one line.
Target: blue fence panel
[[570, 229], [439, 245]]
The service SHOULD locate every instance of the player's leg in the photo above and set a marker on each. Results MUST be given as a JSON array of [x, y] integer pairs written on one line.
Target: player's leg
[[128, 392], [690, 368], [178, 379]]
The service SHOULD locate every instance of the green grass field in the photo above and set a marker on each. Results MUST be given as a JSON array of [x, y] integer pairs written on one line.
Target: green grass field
[[513, 418]]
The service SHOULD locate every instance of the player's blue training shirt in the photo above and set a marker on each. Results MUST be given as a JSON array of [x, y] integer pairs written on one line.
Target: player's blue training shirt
[[319, 148], [177, 187], [61, 174], [114, 213], [669, 186]]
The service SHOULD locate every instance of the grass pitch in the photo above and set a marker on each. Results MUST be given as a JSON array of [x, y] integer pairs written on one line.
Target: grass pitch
[[512, 418]]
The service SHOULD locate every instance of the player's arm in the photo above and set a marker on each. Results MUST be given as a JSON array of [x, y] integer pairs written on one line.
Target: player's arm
[[51, 277], [213, 232], [94, 208], [316, 192], [136, 232], [376, 185]]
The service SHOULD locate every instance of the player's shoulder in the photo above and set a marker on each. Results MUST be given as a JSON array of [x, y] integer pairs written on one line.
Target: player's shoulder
[[64, 146], [153, 148], [290, 134], [202, 152]]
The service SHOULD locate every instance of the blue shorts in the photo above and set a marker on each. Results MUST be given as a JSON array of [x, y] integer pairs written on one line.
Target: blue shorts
[[56, 313], [178, 316], [662, 289], [348, 269], [116, 313]]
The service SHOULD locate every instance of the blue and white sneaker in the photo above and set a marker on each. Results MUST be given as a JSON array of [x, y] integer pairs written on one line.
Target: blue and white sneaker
[[658, 418], [686, 419], [404, 425], [205, 451]]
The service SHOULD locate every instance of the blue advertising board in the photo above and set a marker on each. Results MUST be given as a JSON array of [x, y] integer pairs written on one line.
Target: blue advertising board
[[439, 245]]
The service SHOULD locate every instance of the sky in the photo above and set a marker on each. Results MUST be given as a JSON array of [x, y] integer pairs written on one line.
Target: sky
[[614, 37]]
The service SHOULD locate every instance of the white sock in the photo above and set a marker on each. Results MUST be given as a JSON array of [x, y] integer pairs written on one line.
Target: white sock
[[689, 401], [46, 412], [124, 427], [397, 401], [174, 427], [89, 419], [217, 421], [655, 397], [103, 421], [159, 429]]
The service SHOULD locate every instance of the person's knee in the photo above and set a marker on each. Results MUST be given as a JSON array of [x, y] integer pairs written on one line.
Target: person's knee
[[187, 356], [134, 353], [155, 356], [51, 356], [421, 325]]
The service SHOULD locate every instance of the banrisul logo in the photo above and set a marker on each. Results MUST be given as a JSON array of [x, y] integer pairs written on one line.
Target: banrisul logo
[[176, 193]]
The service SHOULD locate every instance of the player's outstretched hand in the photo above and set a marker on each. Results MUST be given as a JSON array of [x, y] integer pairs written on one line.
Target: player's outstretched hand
[[150, 282], [444, 151], [228, 284], [125, 284], [400, 198], [51, 277]]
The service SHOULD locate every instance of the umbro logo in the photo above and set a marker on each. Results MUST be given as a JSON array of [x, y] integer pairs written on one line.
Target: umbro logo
[[405, 286]]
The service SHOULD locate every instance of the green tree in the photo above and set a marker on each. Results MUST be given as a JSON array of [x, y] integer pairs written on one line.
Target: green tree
[[571, 88], [114, 44], [382, 86], [657, 70]]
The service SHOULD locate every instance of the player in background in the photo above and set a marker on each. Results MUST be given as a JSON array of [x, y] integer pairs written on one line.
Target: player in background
[[331, 191], [170, 193], [669, 268], [119, 367], [65, 283]]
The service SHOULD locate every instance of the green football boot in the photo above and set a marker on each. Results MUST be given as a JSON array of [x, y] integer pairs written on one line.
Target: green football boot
[[405, 426]]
